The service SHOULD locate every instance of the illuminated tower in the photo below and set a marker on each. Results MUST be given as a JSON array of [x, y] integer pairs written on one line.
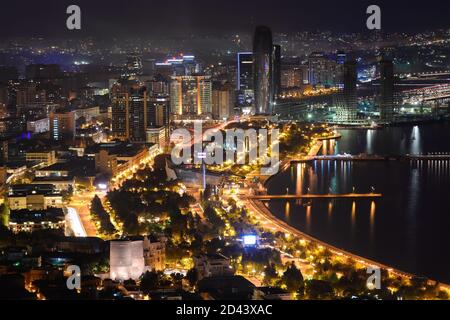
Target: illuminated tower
[[276, 71], [386, 90], [191, 95], [350, 105], [262, 70], [246, 94]]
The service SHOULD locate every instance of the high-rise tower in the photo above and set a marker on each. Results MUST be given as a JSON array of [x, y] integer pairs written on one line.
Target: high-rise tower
[[262, 70], [350, 91], [386, 90]]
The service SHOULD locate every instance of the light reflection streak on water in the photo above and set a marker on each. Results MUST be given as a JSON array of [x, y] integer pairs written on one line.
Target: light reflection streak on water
[[372, 222]]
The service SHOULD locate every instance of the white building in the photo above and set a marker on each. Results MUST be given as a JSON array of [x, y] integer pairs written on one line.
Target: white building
[[213, 265], [157, 135], [38, 126], [126, 259]]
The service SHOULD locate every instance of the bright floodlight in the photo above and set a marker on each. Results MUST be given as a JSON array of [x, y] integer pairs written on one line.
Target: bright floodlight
[[249, 240], [102, 186]]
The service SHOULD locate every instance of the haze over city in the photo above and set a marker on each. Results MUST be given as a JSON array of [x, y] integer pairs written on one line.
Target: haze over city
[[235, 150]]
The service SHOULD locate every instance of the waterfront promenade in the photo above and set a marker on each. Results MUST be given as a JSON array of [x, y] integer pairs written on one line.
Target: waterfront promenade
[[256, 205], [272, 222]]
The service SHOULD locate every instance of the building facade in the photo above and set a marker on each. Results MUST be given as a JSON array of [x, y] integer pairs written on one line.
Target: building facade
[[191, 95]]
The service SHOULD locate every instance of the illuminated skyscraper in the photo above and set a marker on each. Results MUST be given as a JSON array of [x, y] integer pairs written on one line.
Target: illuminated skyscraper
[[191, 95], [130, 111], [276, 71], [62, 125], [349, 108], [386, 90], [245, 71], [322, 70], [262, 70], [246, 94], [222, 100]]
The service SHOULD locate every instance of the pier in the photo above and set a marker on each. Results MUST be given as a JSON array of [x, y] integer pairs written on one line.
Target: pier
[[317, 196]]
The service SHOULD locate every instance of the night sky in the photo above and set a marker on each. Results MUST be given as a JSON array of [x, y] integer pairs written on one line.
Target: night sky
[[177, 17]]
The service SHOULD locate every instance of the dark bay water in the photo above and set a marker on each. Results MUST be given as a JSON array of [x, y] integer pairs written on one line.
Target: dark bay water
[[409, 228]]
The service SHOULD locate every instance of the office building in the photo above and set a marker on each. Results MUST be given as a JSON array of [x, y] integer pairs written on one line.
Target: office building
[[222, 100], [262, 70], [157, 135], [347, 107], [35, 220], [323, 72], [62, 125], [246, 94], [133, 111], [294, 76], [44, 157], [191, 95], [386, 100], [38, 126], [276, 71], [183, 65], [34, 197]]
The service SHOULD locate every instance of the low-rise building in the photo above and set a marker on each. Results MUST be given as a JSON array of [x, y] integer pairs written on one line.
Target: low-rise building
[[45, 158], [157, 135], [117, 157], [66, 184], [88, 113], [154, 254], [213, 265], [38, 126], [87, 245], [271, 293], [226, 288], [33, 220], [34, 197]]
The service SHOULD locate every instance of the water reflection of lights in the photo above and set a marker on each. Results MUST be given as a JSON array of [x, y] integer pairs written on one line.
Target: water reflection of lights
[[287, 210], [372, 220], [308, 218]]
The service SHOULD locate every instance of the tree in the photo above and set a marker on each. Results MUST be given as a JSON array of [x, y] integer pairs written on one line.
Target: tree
[[4, 215], [270, 275], [319, 289], [293, 278], [442, 295], [192, 276], [150, 281], [99, 213]]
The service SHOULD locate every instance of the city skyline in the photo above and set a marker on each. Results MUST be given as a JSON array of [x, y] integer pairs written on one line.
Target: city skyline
[[227, 151], [142, 17]]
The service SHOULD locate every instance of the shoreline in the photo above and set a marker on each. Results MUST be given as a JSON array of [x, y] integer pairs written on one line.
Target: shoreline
[[267, 214]]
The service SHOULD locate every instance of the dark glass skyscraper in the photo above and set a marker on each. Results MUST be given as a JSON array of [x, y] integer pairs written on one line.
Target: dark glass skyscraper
[[276, 71], [246, 95], [386, 90], [262, 70], [350, 91]]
